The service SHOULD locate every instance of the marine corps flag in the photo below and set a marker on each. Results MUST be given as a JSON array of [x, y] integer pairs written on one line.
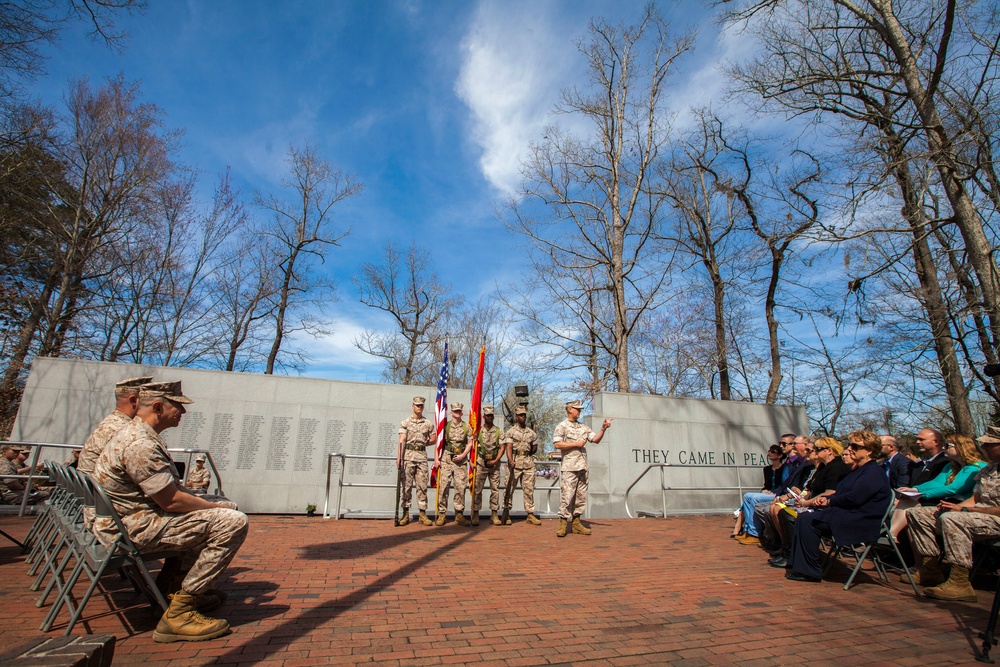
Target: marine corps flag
[[440, 415], [475, 416]]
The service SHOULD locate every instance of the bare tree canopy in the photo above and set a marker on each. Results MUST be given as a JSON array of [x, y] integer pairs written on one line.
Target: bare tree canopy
[[590, 215]]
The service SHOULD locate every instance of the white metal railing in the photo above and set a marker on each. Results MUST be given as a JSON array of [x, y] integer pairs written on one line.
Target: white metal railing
[[37, 447], [740, 487], [341, 484]]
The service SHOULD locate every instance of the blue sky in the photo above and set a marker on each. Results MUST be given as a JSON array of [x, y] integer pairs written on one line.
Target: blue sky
[[431, 104]]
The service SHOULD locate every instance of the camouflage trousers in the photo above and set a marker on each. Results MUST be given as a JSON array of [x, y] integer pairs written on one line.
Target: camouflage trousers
[[414, 473], [958, 530], [526, 478], [452, 473], [209, 538], [573, 493], [483, 474]]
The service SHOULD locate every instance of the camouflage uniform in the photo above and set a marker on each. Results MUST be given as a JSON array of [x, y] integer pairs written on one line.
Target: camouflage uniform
[[418, 434], [456, 437], [958, 529], [574, 472], [487, 448], [8, 496], [99, 439], [523, 441], [134, 466], [197, 476]]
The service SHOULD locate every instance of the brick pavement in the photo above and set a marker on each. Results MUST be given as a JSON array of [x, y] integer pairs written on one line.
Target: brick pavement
[[673, 591]]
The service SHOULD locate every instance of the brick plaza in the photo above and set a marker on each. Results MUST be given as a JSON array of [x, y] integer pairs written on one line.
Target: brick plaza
[[673, 591]]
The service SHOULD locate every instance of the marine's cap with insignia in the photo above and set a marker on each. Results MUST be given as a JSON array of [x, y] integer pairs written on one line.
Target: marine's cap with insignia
[[575, 404], [520, 410], [418, 400], [991, 437], [488, 409], [131, 385], [200, 457], [457, 407], [168, 390]]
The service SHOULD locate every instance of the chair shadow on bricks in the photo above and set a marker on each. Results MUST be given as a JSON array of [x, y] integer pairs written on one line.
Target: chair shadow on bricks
[[308, 619], [349, 549]]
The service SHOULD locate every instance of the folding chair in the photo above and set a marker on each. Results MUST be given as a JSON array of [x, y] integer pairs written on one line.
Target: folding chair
[[864, 550], [96, 559]]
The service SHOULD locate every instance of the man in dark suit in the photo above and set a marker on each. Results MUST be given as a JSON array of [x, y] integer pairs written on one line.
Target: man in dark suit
[[896, 466], [931, 444]]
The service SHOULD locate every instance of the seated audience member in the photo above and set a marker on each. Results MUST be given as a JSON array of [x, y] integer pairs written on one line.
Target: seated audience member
[[764, 495], [126, 401], [830, 469], [957, 525], [896, 465], [199, 478], [12, 491], [796, 481], [931, 444], [852, 514], [955, 483], [74, 459], [159, 514], [772, 479]]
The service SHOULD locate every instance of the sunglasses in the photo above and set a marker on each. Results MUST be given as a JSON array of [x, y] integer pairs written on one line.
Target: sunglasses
[[822, 449], [855, 446]]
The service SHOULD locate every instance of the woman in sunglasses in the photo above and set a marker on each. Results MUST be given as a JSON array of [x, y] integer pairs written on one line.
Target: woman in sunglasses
[[852, 514]]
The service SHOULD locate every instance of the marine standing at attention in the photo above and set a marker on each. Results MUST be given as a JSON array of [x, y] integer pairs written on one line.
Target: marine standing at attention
[[458, 440], [571, 438], [415, 434], [488, 467], [522, 443]]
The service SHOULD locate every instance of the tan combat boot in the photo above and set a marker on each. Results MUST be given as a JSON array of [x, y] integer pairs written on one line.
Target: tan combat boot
[[423, 519], [182, 622], [957, 587], [579, 528], [461, 520], [405, 519], [439, 521], [494, 519], [534, 520], [475, 518], [562, 528], [929, 573]]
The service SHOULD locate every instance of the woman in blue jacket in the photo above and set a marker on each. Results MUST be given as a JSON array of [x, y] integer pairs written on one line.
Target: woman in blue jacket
[[853, 514]]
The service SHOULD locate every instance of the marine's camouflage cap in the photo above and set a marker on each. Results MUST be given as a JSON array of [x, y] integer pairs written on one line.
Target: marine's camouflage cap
[[991, 437], [575, 404], [168, 390], [457, 407], [131, 385], [520, 410], [488, 409], [418, 400]]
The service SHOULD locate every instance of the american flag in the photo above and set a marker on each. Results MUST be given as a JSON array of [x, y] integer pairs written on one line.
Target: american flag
[[440, 413]]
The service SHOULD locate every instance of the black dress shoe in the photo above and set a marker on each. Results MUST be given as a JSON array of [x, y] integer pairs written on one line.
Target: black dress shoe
[[795, 576], [779, 561]]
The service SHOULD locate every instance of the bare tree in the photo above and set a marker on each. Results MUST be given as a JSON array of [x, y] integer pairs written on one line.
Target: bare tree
[[404, 286], [303, 231], [596, 214], [831, 57], [115, 154], [27, 26]]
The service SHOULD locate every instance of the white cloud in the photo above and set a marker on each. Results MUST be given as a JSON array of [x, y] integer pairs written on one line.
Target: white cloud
[[516, 60], [335, 356]]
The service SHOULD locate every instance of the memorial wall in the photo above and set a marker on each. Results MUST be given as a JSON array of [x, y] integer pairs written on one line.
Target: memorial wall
[[270, 436]]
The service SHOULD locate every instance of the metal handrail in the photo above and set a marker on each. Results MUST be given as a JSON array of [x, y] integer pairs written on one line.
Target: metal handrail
[[37, 447], [663, 489], [372, 485]]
